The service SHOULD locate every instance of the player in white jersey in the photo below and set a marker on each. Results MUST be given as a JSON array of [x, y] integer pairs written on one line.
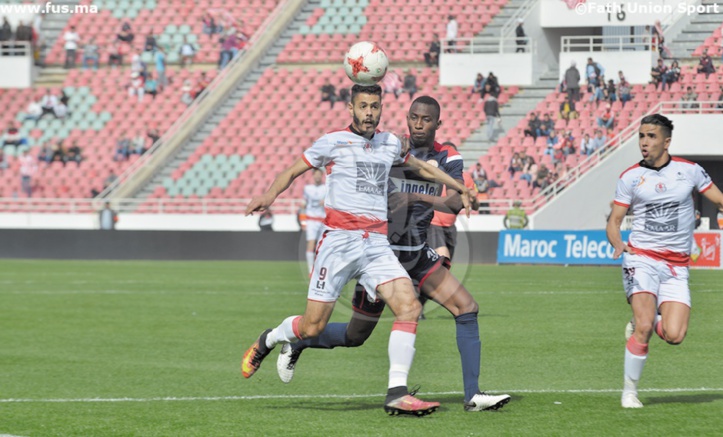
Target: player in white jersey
[[314, 195], [355, 245], [658, 190]]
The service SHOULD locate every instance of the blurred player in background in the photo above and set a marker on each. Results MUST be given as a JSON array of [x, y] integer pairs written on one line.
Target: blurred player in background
[[658, 190], [409, 219], [314, 195], [354, 244]]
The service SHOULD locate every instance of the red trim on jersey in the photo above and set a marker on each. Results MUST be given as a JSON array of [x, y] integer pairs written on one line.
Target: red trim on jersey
[[621, 204], [676, 159], [629, 168], [314, 219], [344, 220], [451, 151], [433, 269], [306, 161], [295, 326], [706, 188], [329, 167], [316, 253], [635, 348], [670, 257], [410, 327]]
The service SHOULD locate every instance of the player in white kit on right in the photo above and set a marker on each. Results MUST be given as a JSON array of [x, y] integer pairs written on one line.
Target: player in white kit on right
[[658, 190], [355, 246], [314, 195]]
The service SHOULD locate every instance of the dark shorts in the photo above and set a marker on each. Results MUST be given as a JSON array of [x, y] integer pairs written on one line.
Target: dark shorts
[[438, 236], [419, 264]]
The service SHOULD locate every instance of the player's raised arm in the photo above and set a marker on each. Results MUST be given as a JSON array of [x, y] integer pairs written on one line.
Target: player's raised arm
[[278, 186], [437, 175], [613, 230]]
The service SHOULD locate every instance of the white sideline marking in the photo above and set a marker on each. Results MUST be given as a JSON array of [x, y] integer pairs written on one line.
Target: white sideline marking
[[357, 396]]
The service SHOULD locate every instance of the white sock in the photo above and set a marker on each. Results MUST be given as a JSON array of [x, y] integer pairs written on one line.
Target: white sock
[[401, 355], [633, 371], [284, 333], [310, 260]]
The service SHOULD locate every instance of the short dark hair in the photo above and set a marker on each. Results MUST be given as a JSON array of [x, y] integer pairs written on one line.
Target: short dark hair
[[365, 89], [431, 101], [659, 120]]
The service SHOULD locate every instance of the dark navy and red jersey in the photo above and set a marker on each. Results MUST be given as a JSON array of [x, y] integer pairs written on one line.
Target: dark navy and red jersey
[[408, 226]]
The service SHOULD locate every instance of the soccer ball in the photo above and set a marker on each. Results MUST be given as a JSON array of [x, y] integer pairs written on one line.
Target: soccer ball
[[366, 63]]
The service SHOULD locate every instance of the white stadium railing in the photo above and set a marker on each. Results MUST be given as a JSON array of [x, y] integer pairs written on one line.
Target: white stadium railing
[[484, 44], [607, 43]]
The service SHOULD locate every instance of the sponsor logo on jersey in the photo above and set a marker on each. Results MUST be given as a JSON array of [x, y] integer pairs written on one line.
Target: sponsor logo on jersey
[[370, 178], [662, 217], [639, 182], [368, 147], [660, 188], [411, 186]]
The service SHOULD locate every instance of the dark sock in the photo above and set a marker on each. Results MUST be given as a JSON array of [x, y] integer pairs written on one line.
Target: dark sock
[[332, 336], [470, 348], [396, 392]]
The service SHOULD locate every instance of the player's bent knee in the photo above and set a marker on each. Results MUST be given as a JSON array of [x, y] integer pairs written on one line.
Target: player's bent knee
[[310, 330], [674, 338]]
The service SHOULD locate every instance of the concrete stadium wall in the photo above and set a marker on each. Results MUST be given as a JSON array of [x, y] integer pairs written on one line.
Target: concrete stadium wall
[[473, 247]]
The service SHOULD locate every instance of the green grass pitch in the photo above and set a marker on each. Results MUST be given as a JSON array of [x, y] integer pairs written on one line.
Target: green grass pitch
[[153, 349]]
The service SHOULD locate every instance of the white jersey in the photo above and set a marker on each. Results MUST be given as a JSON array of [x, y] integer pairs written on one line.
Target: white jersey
[[662, 204], [356, 180], [314, 197]]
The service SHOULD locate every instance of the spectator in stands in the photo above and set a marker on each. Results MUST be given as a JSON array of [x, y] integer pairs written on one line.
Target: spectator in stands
[[529, 167], [160, 60], [12, 137], [153, 134], [598, 142], [115, 55], [672, 75], [594, 74], [610, 92], [606, 118], [553, 140], [90, 54], [28, 169], [61, 110], [136, 86], [6, 30], [492, 113], [344, 95], [432, 55], [521, 37], [494, 84], [477, 172], [136, 62], [209, 25], [705, 65], [479, 84], [72, 39], [45, 153], [658, 72], [328, 93], [533, 125], [228, 50], [187, 52], [151, 86], [568, 144], [391, 83], [266, 220], [73, 154], [107, 218], [572, 82], [150, 45], [597, 94], [23, 33], [57, 152], [452, 29], [138, 143], [546, 126], [123, 148], [557, 154], [410, 84], [688, 97], [33, 111], [720, 98], [48, 103], [112, 177], [126, 33], [515, 165], [567, 110], [624, 89], [186, 90], [201, 84], [541, 178], [586, 145]]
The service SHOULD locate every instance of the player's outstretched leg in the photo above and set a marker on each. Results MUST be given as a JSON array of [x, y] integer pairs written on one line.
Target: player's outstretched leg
[[255, 355]]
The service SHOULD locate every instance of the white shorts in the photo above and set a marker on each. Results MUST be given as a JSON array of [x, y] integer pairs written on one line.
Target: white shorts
[[314, 229], [666, 282], [345, 255]]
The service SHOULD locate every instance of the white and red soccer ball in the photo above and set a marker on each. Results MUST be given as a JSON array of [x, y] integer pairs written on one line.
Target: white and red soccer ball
[[366, 63]]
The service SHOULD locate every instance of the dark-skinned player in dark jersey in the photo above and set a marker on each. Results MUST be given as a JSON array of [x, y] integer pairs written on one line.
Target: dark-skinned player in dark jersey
[[412, 201]]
